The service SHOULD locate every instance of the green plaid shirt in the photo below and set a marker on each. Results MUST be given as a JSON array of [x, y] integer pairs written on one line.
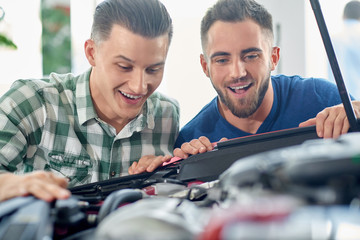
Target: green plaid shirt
[[51, 125]]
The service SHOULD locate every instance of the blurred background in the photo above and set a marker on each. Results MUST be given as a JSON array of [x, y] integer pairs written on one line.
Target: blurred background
[[38, 37]]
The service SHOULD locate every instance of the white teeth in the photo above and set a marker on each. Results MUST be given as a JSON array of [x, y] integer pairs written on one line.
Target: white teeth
[[240, 87], [130, 96]]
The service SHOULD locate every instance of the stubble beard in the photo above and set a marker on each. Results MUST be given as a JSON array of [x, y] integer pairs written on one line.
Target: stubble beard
[[245, 107]]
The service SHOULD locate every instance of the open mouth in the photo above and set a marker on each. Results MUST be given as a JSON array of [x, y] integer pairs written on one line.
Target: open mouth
[[240, 89], [129, 96]]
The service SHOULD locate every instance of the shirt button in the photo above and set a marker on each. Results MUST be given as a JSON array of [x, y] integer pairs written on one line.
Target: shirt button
[[112, 173]]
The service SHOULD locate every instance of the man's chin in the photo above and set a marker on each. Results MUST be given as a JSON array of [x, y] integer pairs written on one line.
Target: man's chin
[[242, 110]]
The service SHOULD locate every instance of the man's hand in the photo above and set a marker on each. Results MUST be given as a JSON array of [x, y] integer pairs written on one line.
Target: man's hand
[[332, 121], [41, 184], [148, 163], [195, 146]]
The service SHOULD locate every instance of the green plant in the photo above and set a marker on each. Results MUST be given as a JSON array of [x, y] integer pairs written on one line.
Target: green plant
[[5, 41], [56, 38]]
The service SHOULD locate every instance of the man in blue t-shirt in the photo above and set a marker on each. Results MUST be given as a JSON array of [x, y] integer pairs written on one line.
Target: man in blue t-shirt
[[238, 57]]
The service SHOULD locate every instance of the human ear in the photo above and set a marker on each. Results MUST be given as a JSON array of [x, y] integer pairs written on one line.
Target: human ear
[[275, 57], [89, 47], [204, 65]]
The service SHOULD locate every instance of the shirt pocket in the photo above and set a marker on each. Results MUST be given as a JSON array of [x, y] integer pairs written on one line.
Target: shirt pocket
[[77, 168]]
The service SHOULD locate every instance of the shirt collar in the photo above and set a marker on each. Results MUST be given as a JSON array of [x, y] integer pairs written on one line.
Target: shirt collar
[[143, 120], [84, 104]]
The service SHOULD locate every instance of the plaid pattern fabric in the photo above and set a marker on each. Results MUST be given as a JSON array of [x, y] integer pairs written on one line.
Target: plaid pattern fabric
[[50, 124]]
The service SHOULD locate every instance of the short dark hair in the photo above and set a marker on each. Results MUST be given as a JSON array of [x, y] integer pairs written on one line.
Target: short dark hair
[[148, 18], [352, 10], [236, 11]]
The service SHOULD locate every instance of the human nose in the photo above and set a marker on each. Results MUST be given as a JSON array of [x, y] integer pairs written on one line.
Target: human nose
[[238, 69], [137, 84]]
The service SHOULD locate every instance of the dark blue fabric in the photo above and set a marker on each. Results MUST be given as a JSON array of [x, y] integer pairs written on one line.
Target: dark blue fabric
[[296, 99]]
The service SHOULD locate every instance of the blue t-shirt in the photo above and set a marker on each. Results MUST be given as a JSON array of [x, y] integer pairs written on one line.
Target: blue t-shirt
[[296, 100]]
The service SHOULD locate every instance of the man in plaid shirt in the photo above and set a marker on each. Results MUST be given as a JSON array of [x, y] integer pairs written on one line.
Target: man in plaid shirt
[[70, 130]]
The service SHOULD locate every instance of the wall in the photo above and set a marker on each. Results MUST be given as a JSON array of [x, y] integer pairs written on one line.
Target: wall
[[184, 79], [22, 25]]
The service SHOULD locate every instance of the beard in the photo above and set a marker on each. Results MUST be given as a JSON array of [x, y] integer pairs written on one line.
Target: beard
[[245, 107]]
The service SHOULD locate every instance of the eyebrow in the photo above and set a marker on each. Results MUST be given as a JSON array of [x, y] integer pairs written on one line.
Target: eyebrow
[[245, 51], [216, 54], [125, 58], [253, 49], [132, 61]]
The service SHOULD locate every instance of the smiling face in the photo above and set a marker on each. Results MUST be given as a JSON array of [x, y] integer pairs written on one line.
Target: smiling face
[[126, 69], [239, 59]]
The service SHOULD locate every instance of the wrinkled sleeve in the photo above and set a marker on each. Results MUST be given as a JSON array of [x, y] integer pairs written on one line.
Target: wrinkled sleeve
[[21, 120]]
